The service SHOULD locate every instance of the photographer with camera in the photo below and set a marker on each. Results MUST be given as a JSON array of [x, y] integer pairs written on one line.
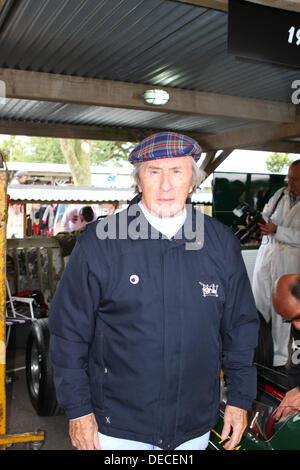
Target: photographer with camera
[[278, 254], [252, 230]]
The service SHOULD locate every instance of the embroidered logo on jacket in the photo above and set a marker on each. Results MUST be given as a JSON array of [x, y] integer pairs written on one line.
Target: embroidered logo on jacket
[[209, 290]]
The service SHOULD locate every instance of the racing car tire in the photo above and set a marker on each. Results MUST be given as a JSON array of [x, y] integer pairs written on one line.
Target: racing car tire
[[264, 351], [39, 373]]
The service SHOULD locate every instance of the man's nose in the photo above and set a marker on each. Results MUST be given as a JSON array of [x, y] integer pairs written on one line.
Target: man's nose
[[165, 183]]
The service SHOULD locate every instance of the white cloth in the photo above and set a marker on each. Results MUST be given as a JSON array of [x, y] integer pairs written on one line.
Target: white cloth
[[278, 254], [168, 226]]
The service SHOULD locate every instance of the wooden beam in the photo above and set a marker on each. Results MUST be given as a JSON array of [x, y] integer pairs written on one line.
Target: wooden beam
[[209, 157], [284, 146], [211, 167], [266, 137], [250, 136], [71, 131], [211, 162], [291, 5], [214, 4], [40, 86], [42, 242]]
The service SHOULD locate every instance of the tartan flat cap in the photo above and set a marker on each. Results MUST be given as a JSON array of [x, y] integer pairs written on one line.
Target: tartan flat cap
[[165, 145]]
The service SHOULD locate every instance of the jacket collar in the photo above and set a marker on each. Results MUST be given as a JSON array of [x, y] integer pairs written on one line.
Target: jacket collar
[[191, 233]]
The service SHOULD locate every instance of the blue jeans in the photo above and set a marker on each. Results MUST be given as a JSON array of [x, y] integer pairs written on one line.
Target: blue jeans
[[114, 443]]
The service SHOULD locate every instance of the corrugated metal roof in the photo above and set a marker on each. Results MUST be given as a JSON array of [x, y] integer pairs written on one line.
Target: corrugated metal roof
[[155, 42], [40, 193], [158, 42], [25, 110], [34, 193], [123, 167]]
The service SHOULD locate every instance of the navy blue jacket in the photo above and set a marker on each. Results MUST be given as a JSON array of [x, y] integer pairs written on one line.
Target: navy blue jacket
[[140, 329]]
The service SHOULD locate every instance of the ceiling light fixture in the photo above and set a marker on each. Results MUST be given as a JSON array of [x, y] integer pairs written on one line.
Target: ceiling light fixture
[[156, 97]]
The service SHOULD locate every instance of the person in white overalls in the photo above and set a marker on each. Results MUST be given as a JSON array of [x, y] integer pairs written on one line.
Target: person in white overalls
[[278, 254]]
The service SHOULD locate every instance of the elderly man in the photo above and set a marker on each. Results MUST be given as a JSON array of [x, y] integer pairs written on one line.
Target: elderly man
[[153, 302], [278, 254], [286, 301]]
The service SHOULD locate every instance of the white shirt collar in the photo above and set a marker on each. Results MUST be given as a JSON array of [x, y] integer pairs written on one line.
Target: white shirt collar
[[168, 226]]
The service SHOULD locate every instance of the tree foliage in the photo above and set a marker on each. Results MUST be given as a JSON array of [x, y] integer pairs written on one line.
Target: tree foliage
[[105, 151], [78, 154], [277, 162]]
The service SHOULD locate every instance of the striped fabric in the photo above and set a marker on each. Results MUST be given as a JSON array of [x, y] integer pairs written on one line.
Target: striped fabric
[[165, 145]]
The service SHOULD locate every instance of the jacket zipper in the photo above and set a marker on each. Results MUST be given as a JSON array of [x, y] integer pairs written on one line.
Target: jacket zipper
[[162, 390]]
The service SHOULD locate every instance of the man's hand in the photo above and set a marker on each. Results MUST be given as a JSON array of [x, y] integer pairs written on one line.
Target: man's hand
[[289, 405], [84, 433], [266, 229], [235, 418]]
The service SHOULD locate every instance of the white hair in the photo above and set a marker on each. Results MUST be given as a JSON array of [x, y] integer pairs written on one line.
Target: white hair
[[198, 175]]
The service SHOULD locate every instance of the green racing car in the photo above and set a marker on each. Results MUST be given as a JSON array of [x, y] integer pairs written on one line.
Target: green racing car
[[263, 431]]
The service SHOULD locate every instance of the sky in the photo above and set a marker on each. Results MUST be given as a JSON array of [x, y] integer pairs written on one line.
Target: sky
[[249, 161]]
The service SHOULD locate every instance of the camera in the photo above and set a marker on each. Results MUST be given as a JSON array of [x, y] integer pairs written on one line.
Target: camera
[[252, 230]]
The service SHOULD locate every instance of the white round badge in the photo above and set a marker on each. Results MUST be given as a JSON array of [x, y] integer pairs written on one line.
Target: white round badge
[[134, 279]]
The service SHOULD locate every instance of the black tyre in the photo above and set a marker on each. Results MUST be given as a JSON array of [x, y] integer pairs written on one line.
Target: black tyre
[[39, 374]]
